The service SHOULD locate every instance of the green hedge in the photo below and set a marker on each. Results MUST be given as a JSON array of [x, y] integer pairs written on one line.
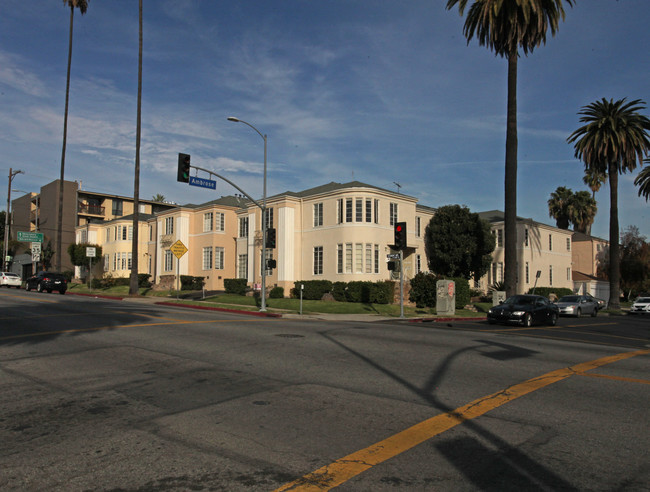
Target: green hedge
[[276, 293], [235, 286], [314, 289], [188, 282], [463, 293], [423, 290], [547, 291]]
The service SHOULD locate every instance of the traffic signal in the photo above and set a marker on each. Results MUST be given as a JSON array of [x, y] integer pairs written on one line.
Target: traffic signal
[[270, 238], [183, 168], [271, 264], [392, 266], [400, 235]]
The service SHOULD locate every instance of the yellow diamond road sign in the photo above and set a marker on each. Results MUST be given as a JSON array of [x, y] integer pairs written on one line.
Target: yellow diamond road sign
[[179, 249]]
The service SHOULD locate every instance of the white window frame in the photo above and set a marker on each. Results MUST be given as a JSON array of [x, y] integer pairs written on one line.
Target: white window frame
[[318, 260], [207, 258]]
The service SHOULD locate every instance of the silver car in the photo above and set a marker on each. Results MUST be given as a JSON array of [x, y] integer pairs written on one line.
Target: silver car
[[576, 305]]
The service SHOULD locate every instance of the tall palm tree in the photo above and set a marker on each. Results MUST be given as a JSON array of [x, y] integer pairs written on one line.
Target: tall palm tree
[[559, 206], [643, 181], [505, 26], [133, 284], [594, 179], [82, 5], [158, 197], [582, 211], [612, 140]]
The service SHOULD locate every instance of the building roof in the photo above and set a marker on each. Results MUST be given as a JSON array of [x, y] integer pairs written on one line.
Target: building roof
[[226, 201], [141, 218]]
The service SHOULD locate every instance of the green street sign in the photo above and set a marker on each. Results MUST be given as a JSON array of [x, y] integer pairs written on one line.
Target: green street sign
[[30, 237]]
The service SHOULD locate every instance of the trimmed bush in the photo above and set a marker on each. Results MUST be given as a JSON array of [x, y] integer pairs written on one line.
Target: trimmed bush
[[423, 290], [277, 293], [463, 293], [235, 286], [547, 291], [143, 280], [314, 289], [338, 291], [382, 292]]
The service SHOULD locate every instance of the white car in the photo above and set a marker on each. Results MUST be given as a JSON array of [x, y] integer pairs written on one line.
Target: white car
[[641, 306], [9, 279]]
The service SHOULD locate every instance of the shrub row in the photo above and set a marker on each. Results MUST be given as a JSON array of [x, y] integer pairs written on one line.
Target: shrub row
[[547, 291], [356, 291], [423, 290], [235, 286], [188, 282]]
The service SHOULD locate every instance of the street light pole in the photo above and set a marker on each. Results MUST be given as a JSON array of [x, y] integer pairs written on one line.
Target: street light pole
[[263, 301], [12, 174]]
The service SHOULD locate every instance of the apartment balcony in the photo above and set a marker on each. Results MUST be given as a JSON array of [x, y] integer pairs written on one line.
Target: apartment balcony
[[86, 209]]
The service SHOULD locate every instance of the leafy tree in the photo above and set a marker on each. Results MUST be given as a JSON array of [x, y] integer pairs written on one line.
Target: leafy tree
[[77, 253], [82, 5], [643, 181], [505, 26], [458, 243], [46, 256], [559, 206], [583, 211], [635, 260], [612, 140]]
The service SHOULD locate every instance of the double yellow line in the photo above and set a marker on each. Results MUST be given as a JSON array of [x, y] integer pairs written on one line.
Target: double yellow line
[[343, 469]]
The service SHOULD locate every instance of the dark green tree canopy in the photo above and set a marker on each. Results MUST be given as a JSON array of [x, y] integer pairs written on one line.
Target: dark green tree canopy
[[78, 256], [458, 243]]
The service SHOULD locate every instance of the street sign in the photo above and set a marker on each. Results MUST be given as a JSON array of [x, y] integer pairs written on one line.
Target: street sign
[[30, 237], [178, 249], [36, 248], [90, 252], [203, 183], [394, 256]]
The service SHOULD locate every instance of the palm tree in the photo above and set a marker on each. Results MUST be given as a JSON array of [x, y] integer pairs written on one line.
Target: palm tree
[[82, 5], [594, 179], [643, 181], [505, 26], [613, 139], [582, 211], [133, 284], [559, 206], [158, 197]]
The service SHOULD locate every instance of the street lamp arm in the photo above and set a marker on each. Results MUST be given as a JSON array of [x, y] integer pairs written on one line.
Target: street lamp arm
[[237, 120]]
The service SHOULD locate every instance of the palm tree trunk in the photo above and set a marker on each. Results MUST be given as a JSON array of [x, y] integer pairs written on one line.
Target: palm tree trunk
[[133, 285], [510, 218], [614, 249], [59, 222]]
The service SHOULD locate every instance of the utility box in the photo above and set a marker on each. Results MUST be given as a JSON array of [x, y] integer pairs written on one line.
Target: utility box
[[446, 297], [498, 296]]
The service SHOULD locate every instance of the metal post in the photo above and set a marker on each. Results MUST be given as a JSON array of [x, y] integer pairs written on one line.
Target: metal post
[[401, 283], [90, 273], [12, 173]]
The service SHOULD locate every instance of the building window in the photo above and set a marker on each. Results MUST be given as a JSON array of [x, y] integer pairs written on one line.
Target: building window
[[376, 211], [242, 266], [393, 214], [129, 260], [348, 209], [550, 275], [220, 222], [568, 244], [358, 210], [107, 262], [418, 229], [169, 225], [142, 208], [218, 258], [418, 263], [269, 218], [499, 238], [339, 207], [117, 208], [339, 258], [318, 214], [318, 260], [500, 277], [207, 222], [550, 242], [376, 258], [243, 227], [568, 273], [368, 258], [169, 261], [368, 210], [207, 258], [124, 261], [526, 237], [348, 258], [130, 233], [358, 247]]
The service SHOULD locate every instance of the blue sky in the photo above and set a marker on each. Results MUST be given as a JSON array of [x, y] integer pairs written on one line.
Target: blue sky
[[380, 91]]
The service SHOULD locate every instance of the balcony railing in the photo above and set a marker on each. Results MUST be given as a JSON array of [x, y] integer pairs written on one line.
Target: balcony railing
[[85, 208]]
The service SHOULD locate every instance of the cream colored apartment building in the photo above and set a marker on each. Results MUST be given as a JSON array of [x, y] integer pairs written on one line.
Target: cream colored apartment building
[[540, 248]]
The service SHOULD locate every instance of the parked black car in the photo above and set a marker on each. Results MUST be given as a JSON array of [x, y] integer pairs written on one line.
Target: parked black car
[[47, 281], [524, 310]]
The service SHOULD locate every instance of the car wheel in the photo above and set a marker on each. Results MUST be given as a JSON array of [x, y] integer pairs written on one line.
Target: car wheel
[[39, 288], [553, 320], [528, 320], [49, 291], [594, 313], [27, 287], [578, 312], [62, 292]]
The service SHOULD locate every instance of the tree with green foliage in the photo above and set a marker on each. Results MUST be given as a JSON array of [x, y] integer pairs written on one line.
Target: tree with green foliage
[[643, 181], [78, 256], [583, 211], [458, 243], [505, 27], [612, 140], [635, 261], [559, 206]]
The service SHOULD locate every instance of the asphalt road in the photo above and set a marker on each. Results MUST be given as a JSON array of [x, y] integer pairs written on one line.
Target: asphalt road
[[114, 395]]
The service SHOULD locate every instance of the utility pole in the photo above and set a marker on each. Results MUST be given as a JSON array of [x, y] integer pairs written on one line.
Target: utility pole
[[12, 174]]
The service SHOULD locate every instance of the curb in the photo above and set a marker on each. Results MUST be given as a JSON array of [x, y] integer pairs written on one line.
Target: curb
[[225, 310], [100, 296], [440, 320]]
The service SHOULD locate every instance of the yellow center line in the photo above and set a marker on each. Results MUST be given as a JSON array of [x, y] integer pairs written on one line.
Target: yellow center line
[[618, 378], [343, 469], [29, 298]]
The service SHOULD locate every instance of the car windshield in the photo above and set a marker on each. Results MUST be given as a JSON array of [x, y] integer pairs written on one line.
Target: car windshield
[[7, 274], [643, 300], [520, 300], [569, 299]]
